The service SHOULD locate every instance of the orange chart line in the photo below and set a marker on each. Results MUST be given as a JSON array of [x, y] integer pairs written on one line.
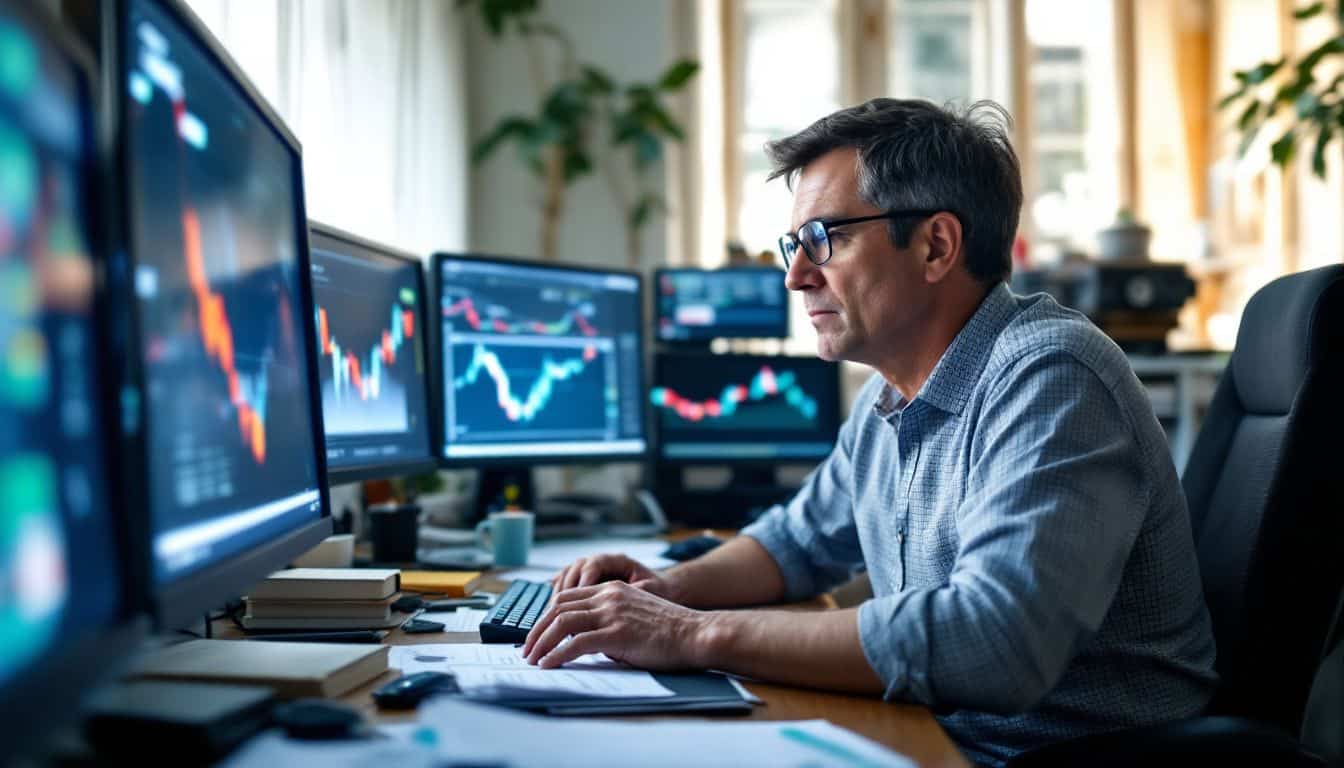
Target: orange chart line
[[217, 335]]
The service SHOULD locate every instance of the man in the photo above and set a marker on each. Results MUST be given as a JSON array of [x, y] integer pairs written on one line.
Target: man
[[1002, 477]]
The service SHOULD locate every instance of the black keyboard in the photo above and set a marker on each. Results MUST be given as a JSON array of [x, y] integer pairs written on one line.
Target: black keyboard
[[515, 613]]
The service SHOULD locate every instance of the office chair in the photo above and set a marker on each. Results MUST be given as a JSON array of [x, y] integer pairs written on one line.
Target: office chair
[[1265, 487]]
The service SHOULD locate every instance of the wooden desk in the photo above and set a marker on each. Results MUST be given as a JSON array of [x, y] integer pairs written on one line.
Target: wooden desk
[[907, 729]]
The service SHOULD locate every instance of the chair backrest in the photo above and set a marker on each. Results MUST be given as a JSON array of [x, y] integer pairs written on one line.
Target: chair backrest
[[1265, 483]]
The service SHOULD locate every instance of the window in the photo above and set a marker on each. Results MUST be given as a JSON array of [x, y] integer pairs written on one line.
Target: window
[[1073, 148], [790, 77], [938, 50]]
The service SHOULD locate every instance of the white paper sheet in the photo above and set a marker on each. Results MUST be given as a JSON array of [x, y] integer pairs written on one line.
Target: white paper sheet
[[560, 553], [500, 671], [273, 748], [470, 732], [461, 620]]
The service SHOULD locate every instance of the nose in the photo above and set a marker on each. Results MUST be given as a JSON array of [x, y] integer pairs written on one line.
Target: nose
[[802, 273]]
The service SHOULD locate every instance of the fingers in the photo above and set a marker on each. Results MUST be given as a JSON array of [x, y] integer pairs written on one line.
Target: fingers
[[596, 641], [569, 600], [564, 624], [587, 571]]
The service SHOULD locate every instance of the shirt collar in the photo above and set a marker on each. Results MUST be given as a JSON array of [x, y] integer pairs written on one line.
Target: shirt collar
[[950, 384]]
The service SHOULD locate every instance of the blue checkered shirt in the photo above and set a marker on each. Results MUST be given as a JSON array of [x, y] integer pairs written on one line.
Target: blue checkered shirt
[[1026, 535]]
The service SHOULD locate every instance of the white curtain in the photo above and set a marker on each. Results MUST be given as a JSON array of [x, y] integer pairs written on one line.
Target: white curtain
[[376, 92]]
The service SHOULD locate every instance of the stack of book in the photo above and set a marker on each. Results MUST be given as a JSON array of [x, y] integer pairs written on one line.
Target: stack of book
[[324, 598]]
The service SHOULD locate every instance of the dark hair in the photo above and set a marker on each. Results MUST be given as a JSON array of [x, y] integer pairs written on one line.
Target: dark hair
[[915, 154]]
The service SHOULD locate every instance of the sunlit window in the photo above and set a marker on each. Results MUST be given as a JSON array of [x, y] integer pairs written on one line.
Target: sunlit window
[[791, 77], [1074, 137], [939, 50]]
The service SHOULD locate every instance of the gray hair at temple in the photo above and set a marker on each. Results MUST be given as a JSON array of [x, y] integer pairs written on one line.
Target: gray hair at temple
[[916, 154]]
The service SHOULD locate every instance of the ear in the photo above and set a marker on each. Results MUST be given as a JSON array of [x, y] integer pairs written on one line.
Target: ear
[[945, 246]]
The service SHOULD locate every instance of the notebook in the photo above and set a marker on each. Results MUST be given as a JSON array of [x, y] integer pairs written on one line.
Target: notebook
[[292, 670], [449, 583], [327, 584], [378, 610]]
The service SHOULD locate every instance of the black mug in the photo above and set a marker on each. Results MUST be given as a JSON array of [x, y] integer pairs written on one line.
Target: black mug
[[394, 530]]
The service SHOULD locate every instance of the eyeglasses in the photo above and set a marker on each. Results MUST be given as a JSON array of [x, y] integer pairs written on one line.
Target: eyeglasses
[[814, 237]]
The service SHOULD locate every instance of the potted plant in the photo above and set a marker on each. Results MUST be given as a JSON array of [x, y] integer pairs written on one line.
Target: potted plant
[[586, 121]]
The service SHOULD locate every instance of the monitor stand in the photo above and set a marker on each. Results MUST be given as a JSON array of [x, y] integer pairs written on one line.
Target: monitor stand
[[752, 489]]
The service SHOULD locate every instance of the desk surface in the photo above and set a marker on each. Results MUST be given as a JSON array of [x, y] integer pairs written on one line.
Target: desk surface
[[907, 729]]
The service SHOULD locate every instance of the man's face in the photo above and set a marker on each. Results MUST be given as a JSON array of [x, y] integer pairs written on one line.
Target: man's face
[[864, 301]]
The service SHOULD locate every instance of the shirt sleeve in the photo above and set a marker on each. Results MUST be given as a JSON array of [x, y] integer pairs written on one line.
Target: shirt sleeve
[[814, 538], [1054, 502]]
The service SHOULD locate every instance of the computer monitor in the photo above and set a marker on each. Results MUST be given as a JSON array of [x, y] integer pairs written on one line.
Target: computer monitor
[[214, 223], [750, 413], [372, 360], [744, 409], [539, 363], [66, 595], [697, 305]]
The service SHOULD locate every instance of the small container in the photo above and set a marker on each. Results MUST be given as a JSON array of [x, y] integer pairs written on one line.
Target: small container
[[394, 530]]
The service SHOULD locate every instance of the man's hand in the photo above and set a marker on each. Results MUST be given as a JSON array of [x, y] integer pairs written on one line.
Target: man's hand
[[626, 623], [588, 571]]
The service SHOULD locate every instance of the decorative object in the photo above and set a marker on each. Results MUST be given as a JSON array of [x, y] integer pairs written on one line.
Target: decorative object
[[585, 121], [1125, 240], [1285, 95]]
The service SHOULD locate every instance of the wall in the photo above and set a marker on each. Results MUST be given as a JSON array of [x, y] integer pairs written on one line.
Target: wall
[[627, 38]]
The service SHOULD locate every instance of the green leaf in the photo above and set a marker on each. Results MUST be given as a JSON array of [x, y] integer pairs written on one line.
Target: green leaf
[[1231, 98], [1248, 115], [626, 127], [654, 118], [567, 105], [640, 213], [1247, 139], [639, 94], [1262, 72], [1331, 46], [678, 74], [1282, 150], [1318, 154], [576, 164], [1309, 11], [519, 129], [1306, 104], [597, 81], [1290, 91], [647, 151]]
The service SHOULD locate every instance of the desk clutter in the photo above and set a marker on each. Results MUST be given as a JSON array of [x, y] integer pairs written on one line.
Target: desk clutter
[[324, 598], [450, 731]]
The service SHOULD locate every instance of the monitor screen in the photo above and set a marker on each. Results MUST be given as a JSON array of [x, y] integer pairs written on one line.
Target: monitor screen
[[736, 302], [218, 234], [61, 574], [539, 361], [747, 408], [371, 354]]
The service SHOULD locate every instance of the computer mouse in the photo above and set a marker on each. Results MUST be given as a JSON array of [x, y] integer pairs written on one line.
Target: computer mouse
[[689, 549], [315, 719]]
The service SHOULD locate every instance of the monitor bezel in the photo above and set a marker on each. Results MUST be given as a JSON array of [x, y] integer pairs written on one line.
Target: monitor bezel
[[665, 358], [360, 472], [439, 385], [701, 340], [38, 698], [185, 599]]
